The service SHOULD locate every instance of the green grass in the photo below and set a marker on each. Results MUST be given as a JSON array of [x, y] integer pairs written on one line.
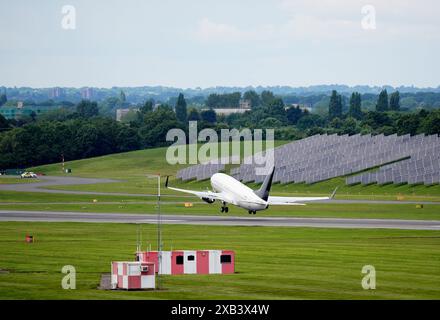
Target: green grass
[[314, 210], [131, 167], [271, 263], [42, 197]]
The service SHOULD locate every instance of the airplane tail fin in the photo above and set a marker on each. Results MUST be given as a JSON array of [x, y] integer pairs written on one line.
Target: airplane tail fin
[[264, 190]]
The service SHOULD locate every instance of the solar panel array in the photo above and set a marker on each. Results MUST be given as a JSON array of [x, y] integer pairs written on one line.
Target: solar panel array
[[422, 166], [206, 170], [323, 157], [200, 171]]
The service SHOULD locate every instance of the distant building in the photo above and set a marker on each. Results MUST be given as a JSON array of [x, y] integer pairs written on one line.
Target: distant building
[[22, 110], [226, 111], [121, 113], [303, 107], [245, 104], [56, 93], [87, 93]]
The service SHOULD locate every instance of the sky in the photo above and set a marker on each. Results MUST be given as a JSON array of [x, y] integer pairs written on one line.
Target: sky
[[206, 43]]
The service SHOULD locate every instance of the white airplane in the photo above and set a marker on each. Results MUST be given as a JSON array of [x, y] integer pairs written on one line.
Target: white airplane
[[228, 190]]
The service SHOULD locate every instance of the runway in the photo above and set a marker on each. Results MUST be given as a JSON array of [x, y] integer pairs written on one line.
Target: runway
[[42, 216], [49, 181]]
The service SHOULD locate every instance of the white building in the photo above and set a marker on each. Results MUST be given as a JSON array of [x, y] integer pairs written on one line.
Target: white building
[[121, 113]]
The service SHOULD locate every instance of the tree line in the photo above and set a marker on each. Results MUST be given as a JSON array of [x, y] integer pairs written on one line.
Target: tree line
[[83, 131]]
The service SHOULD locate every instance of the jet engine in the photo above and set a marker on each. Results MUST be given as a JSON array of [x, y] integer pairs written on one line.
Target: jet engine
[[208, 200]]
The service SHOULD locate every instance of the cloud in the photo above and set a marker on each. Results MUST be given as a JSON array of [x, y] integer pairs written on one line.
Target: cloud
[[298, 27], [394, 17], [325, 20], [208, 30]]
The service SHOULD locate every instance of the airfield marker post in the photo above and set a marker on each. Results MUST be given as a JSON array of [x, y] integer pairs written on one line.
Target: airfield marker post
[[159, 229]]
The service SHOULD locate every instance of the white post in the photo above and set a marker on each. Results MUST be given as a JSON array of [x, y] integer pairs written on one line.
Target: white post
[[159, 233], [159, 230]]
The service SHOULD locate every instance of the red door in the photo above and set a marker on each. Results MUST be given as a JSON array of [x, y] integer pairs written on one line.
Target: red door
[[177, 260], [227, 260], [202, 262]]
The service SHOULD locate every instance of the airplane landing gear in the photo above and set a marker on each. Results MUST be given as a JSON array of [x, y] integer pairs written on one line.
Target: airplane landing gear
[[224, 208], [252, 212]]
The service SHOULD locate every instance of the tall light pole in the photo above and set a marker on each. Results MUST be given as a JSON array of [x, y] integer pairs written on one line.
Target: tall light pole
[[159, 228]]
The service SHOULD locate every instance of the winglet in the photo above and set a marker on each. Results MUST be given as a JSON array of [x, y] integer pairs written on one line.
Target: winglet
[[166, 182], [334, 193]]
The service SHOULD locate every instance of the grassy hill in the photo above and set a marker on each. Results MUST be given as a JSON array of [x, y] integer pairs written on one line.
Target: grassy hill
[[131, 168]]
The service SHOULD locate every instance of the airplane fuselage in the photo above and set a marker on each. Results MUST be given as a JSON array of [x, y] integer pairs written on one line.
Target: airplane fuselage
[[237, 193]]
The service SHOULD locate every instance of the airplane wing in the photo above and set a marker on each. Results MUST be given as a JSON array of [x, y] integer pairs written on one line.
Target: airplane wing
[[295, 201], [201, 194]]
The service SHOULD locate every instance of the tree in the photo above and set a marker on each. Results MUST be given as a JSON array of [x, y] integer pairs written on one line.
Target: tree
[[42, 142], [122, 97], [193, 115], [355, 110], [375, 119], [336, 123], [128, 139], [109, 105], [61, 114], [209, 116], [270, 123], [309, 121], [4, 124], [33, 115], [350, 126], [408, 123], [227, 100], [87, 140], [294, 114], [395, 101], [130, 116], [382, 101], [277, 110], [431, 123], [157, 124], [181, 112], [147, 107], [87, 109], [3, 99], [335, 105], [253, 97], [267, 97]]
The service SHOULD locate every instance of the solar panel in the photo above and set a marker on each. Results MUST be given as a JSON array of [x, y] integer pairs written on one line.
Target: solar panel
[[322, 157]]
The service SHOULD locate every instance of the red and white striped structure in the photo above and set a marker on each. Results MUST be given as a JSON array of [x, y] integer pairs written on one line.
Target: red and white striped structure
[[133, 275], [191, 262]]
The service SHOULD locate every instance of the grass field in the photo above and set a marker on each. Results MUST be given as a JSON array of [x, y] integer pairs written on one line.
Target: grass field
[[271, 263], [131, 167], [42, 197]]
